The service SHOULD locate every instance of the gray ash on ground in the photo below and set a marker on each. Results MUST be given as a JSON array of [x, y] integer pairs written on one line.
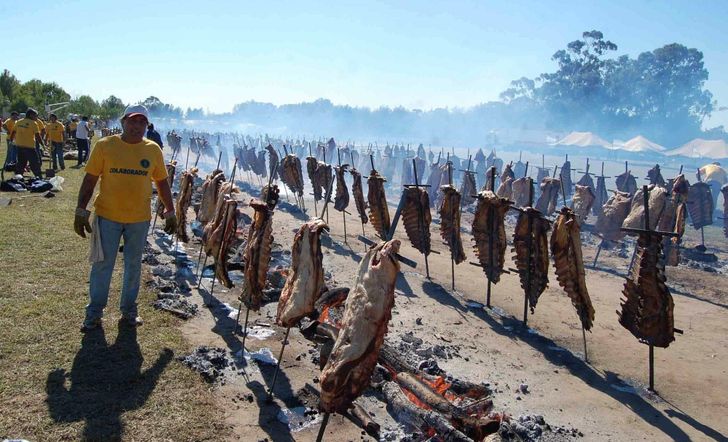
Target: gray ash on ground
[[696, 258], [162, 285], [175, 304], [210, 362], [424, 356], [534, 428]]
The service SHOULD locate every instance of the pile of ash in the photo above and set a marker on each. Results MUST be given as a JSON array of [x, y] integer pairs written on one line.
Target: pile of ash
[[210, 362]]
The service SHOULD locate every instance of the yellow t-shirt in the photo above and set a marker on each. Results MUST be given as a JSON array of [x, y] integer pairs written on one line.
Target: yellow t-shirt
[[72, 125], [25, 131], [126, 172], [9, 125], [55, 132], [41, 124]]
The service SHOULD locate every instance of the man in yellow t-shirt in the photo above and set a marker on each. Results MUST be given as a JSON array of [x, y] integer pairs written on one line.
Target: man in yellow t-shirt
[[9, 124], [25, 135], [126, 165], [56, 136]]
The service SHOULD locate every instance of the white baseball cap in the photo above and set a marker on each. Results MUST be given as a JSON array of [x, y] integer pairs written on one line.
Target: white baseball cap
[[136, 109]]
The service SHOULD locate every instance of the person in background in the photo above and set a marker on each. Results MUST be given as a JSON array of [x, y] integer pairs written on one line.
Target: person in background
[[25, 135], [154, 136], [82, 140], [56, 136], [72, 126], [9, 124], [39, 146], [126, 165]]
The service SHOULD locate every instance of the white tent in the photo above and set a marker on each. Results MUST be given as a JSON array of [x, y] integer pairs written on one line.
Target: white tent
[[639, 144], [583, 139], [701, 148]]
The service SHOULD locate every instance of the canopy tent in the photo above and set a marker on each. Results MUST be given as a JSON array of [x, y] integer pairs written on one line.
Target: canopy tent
[[701, 148], [639, 144], [583, 139]]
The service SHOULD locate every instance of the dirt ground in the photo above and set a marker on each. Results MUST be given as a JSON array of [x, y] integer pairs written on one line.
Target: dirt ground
[[604, 399]]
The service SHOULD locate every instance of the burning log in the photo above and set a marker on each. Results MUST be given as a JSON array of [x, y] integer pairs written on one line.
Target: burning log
[[416, 416]]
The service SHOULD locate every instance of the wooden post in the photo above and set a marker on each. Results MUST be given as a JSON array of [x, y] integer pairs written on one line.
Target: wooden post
[[322, 430]]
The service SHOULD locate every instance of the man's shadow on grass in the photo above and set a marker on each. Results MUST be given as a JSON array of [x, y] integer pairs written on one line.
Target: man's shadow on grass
[[105, 381]]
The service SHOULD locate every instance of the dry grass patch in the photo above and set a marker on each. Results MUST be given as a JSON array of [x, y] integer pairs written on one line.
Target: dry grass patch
[[57, 384]]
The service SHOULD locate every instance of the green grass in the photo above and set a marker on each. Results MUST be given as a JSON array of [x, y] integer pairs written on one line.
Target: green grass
[[57, 384]]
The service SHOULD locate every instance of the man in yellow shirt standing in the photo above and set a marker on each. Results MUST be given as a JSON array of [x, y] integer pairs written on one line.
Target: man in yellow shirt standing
[[25, 135], [126, 165], [9, 124], [56, 135]]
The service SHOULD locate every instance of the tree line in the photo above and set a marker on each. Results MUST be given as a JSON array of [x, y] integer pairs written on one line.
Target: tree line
[[660, 94]]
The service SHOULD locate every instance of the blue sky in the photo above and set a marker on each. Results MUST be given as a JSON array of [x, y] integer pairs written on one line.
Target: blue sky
[[415, 54]]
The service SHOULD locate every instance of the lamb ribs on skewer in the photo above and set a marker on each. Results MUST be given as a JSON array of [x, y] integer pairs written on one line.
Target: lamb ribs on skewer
[[583, 201], [378, 210], [569, 264], [700, 205], [546, 202], [292, 174], [358, 192], [305, 280], [341, 200], [647, 306], [450, 222], [533, 250], [614, 212], [184, 198], [416, 218], [257, 254], [366, 314], [481, 228]]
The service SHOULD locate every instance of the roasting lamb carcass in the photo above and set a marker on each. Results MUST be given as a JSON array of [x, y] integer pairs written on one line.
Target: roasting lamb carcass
[[210, 189], [434, 182], [505, 190], [583, 201], [171, 170], [614, 212], [655, 176], [226, 233], [647, 307], [468, 189], [586, 180], [549, 197], [367, 312], [601, 196], [323, 179], [489, 203], [311, 165], [416, 218], [520, 192], [358, 191], [532, 247], [260, 168], [257, 254], [542, 174], [507, 173], [449, 211], [305, 279], [566, 177], [636, 217], [627, 183], [273, 161], [292, 174], [700, 205], [341, 200], [673, 219], [569, 263], [378, 210], [184, 197]]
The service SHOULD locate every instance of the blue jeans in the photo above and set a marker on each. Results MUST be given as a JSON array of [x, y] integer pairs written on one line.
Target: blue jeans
[[12, 152], [135, 238], [82, 150], [57, 154]]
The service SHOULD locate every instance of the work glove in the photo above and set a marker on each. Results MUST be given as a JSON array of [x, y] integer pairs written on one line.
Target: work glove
[[80, 223], [170, 223]]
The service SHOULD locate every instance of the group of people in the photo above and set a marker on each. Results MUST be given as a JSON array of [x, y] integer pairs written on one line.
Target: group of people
[[28, 133]]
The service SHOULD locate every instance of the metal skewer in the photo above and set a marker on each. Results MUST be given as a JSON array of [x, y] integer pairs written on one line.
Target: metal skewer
[[278, 365]]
